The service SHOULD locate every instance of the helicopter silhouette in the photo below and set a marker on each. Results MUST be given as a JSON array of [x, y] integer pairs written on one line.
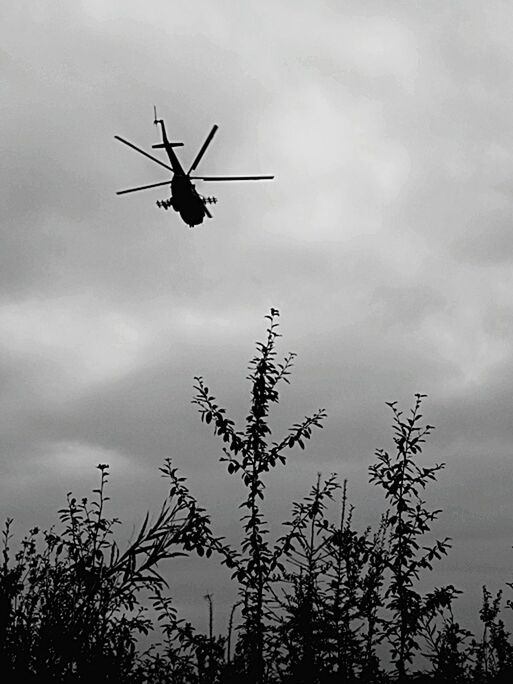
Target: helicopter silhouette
[[184, 198]]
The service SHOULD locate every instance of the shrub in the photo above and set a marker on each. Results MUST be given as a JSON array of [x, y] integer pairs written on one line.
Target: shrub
[[315, 606]]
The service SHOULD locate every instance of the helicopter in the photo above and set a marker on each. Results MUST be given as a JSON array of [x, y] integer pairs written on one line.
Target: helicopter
[[184, 199]]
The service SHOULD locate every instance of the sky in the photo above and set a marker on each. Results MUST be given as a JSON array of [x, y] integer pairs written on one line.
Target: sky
[[385, 241]]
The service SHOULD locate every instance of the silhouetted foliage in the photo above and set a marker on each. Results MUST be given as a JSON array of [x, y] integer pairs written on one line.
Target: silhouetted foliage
[[409, 520], [318, 602], [251, 454]]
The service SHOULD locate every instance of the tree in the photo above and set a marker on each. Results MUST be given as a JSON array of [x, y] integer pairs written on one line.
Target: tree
[[409, 520], [250, 454]]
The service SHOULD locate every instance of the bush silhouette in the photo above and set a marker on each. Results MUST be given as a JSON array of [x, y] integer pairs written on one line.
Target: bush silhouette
[[322, 603]]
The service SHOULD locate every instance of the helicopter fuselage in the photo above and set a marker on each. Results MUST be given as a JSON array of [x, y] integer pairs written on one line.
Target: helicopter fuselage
[[186, 201], [184, 196]]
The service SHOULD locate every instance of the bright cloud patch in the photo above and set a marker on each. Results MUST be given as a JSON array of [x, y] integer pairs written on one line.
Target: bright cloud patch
[[83, 342]]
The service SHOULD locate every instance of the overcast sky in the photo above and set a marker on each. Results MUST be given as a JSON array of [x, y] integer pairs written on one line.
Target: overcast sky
[[385, 242]]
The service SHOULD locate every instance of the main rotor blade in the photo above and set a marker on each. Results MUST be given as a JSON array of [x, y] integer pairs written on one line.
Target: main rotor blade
[[231, 178], [138, 149], [142, 187], [203, 148]]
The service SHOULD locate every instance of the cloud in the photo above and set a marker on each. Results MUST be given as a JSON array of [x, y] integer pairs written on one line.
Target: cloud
[[384, 240]]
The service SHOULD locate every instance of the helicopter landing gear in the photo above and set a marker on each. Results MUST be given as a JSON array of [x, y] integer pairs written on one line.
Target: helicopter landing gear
[[209, 200]]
